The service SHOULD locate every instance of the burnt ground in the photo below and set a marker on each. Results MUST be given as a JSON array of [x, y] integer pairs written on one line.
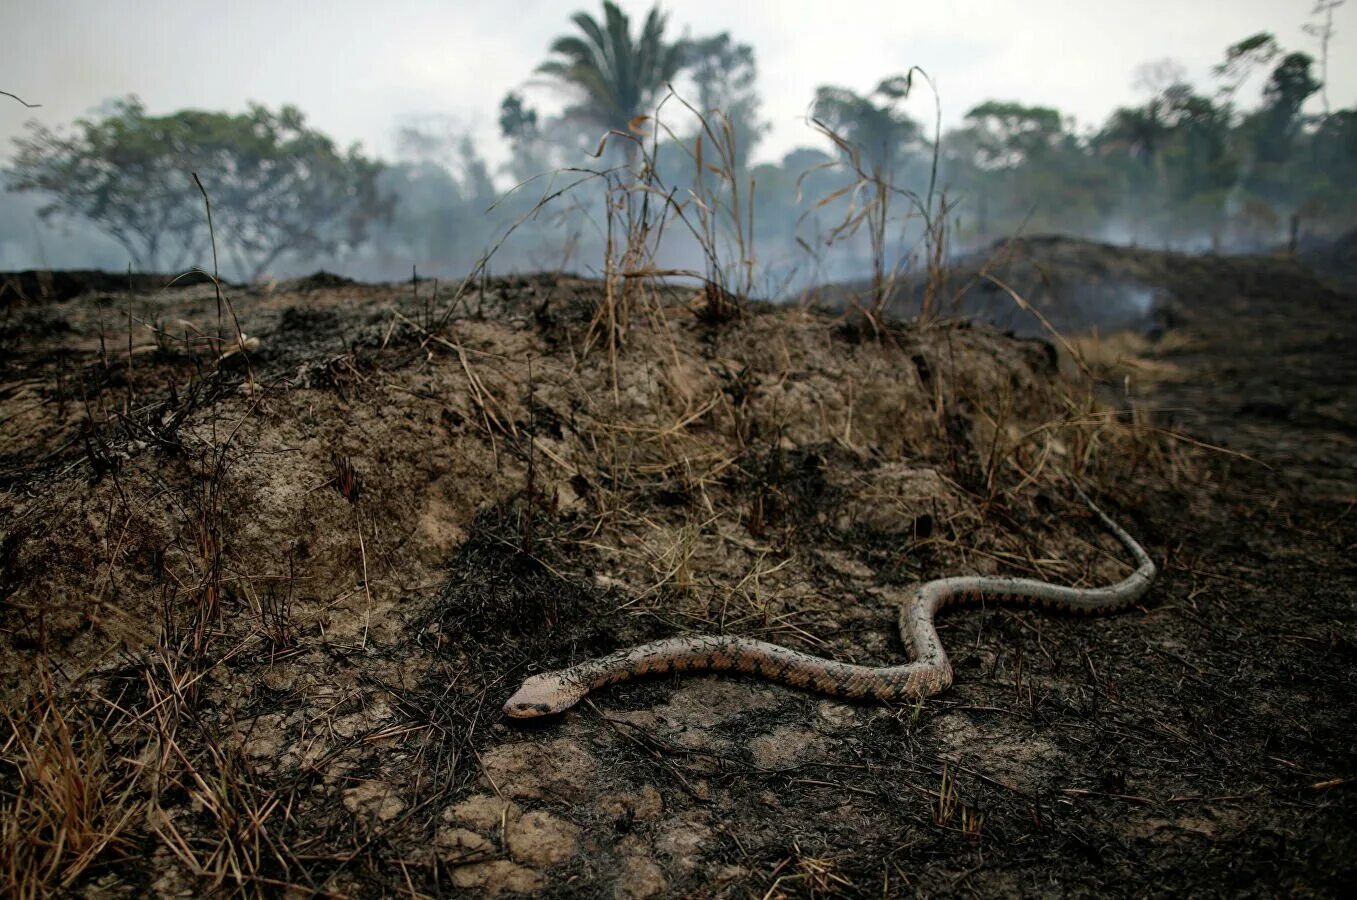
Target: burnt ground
[[262, 600]]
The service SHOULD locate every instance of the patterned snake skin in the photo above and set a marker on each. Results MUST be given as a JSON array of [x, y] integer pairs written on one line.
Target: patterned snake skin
[[929, 673]]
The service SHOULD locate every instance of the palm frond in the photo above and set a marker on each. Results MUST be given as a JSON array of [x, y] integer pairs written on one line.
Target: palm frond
[[617, 78]]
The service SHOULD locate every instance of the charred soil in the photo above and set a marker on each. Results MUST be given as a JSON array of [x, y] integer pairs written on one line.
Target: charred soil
[[269, 568]]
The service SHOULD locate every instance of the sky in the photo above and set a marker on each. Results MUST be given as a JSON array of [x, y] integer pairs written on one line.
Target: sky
[[358, 70]]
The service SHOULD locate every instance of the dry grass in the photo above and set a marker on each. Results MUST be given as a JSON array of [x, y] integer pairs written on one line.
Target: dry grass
[[805, 875], [694, 415], [1128, 355], [68, 801], [871, 198], [236, 846]]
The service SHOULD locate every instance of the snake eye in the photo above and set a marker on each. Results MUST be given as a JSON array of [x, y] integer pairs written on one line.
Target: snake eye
[[528, 710]]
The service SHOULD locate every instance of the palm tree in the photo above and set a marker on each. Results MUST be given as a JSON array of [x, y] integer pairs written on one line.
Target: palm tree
[[616, 79], [1142, 132]]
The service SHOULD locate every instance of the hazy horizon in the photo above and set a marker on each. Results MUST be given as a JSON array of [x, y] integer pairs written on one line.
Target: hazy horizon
[[357, 75]]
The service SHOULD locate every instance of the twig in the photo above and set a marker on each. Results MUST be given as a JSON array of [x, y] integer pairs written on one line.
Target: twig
[[21, 100]]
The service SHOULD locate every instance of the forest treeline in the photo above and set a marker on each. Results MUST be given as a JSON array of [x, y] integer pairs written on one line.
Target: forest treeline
[[1191, 167]]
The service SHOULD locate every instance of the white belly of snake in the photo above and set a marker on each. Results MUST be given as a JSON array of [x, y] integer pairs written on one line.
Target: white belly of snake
[[929, 672]]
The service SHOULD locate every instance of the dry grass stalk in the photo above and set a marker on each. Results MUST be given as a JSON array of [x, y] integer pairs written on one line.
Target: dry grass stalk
[[871, 196], [68, 800]]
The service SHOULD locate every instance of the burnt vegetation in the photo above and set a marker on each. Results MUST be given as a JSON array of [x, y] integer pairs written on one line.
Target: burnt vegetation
[[273, 554]]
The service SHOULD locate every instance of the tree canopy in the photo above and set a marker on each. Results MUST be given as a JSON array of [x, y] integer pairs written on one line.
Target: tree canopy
[[277, 187], [1190, 164], [725, 75], [615, 77], [873, 123]]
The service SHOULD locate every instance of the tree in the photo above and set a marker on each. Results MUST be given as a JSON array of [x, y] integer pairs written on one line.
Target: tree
[[1243, 58], [276, 186], [1143, 130], [517, 121], [518, 124], [1198, 142], [725, 74], [1157, 76], [615, 77], [1322, 31], [883, 133], [1285, 93], [438, 224], [1140, 130], [1330, 170], [120, 173], [1008, 135], [1336, 143], [439, 142]]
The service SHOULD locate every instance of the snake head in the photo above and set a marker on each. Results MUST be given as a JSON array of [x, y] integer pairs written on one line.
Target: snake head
[[543, 695]]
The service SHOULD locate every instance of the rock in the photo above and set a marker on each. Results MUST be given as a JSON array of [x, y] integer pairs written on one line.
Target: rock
[[644, 805], [640, 877], [682, 841], [497, 877], [561, 769], [460, 845], [483, 812], [836, 715], [541, 839], [785, 746], [374, 798]]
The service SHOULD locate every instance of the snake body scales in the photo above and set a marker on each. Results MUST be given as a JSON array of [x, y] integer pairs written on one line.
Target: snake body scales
[[928, 673]]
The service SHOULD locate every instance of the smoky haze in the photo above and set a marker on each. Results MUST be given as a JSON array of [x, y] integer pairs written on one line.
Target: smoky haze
[[1092, 124]]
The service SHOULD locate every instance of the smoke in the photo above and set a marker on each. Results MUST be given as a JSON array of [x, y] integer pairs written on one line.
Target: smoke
[[449, 211], [27, 242]]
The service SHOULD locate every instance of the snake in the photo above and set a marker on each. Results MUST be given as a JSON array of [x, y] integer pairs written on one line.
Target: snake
[[928, 672]]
